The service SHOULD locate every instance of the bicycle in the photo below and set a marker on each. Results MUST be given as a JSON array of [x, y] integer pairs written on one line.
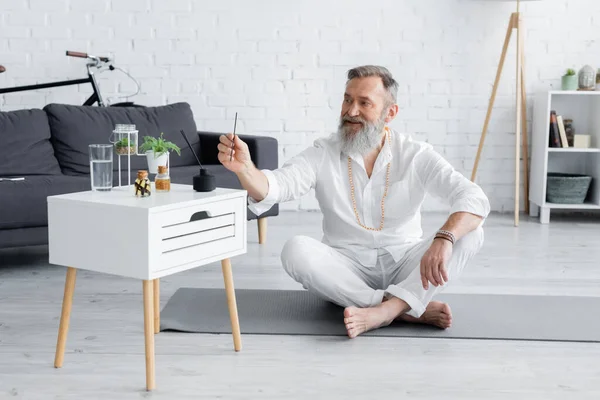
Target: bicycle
[[94, 66]]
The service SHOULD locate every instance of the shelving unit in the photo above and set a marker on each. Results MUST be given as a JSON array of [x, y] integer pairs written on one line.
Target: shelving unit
[[583, 107], [572, 150]]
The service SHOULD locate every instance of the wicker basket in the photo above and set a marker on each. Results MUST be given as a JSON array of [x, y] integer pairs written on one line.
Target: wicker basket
[[567, 188]]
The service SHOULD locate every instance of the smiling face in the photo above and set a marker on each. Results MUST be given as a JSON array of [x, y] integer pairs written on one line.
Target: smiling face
[[366, 108]]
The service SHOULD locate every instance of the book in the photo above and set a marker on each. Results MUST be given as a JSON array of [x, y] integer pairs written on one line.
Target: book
[[561, 131], [554, 134]]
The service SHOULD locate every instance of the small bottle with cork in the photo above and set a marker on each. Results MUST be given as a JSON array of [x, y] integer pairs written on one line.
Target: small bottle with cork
[[142, 184], [162, 182]]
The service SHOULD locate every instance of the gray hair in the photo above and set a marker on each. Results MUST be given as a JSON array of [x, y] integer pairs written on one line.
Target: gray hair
[[390, 85]]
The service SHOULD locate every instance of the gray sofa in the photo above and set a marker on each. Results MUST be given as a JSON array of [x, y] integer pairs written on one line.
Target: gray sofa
[[49, 148]]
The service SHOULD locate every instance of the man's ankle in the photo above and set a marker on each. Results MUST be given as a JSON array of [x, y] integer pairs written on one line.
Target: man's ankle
[[396, 306]]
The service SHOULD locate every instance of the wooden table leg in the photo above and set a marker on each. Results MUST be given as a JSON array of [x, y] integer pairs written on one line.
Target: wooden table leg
[[232, 304], [65, 316], [156, 306], [262, 230], [149, 332]]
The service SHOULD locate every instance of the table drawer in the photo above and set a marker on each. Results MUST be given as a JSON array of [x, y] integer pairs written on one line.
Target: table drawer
[[192, 239], [193, 234], [199, 252], [199, 212], [172, 232]]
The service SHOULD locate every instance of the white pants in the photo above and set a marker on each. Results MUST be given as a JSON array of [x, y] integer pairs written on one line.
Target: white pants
[[331, 275]]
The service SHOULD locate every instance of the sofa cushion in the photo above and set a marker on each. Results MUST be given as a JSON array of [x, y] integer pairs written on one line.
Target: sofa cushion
[[74, 128], [25, 146], [24, 203], [19, 237]]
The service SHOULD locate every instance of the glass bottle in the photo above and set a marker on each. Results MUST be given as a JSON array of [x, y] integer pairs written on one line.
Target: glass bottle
[[569, 131], [162, 182], [125, 138], [142, 184]]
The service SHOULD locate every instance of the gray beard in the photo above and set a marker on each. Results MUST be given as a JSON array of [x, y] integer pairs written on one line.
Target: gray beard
[[364, 140]]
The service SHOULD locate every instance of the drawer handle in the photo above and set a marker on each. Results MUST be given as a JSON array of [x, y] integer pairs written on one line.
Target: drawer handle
[[200, 215]]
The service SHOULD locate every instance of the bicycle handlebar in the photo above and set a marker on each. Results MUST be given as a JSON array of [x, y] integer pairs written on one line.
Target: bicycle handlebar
[[84, 55], [76, 54], [2, 69]]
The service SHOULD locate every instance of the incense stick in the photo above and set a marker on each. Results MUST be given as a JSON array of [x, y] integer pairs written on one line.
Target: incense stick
[[191, 148], [233, 144]]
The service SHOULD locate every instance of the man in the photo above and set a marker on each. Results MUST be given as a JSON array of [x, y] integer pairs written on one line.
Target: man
[[370, 183]]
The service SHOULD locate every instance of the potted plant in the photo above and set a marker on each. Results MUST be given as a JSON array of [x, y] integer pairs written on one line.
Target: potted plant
[[157, 152], [570, 80], [123, 147]]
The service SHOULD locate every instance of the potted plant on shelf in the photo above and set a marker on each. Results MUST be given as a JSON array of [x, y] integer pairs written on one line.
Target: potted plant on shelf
[[570, 80], [123, 147], [157, 152]]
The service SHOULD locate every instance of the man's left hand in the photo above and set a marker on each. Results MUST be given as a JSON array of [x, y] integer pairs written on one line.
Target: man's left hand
[[434, 263]]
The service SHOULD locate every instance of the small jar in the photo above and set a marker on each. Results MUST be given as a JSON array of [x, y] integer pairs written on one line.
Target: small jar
[[125, 138], [162, 182], [142, 184], [569, 131]]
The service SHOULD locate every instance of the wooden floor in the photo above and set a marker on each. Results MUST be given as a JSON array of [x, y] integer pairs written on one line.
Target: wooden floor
[[105, 346]]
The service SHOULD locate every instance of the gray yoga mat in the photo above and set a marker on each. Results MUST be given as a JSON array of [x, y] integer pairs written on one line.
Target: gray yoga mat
[[297, 312]]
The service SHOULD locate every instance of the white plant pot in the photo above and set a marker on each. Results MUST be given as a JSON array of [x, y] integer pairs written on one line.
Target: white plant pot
[[154, 162]]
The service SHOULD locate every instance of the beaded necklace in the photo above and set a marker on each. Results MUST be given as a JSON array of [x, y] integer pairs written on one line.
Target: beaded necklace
[[387, 184]]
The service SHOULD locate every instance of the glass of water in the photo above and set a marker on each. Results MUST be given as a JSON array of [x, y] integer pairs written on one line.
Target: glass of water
[[101, 166]]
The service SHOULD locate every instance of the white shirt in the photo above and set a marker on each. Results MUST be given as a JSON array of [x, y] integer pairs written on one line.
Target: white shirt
[[416, 169]]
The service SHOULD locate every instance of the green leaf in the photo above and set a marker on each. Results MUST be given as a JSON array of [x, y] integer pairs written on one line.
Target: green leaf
[[122, 143], [158, 145]]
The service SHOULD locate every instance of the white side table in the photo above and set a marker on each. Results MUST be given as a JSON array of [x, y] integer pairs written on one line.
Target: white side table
[[146, 238]]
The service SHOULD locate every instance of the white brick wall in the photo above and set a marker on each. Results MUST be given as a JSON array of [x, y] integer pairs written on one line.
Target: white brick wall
[[282, 65]]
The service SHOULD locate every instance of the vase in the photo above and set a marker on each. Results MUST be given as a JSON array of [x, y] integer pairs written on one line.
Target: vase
[[570, 82], [154, 160]]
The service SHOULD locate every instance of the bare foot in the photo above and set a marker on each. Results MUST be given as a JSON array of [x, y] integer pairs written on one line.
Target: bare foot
[[436, 314], [360, 320]]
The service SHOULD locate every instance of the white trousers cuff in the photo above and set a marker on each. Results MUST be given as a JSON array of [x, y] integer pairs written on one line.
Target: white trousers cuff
[[417, 308], [378, 296]]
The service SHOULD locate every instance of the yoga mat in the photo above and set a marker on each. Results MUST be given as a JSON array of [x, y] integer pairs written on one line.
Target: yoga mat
[[298, 312]]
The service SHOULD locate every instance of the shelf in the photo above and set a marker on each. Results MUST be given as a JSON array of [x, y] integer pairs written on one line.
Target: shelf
[[582, 206], [583, 107], [572, 150], [575, 92]]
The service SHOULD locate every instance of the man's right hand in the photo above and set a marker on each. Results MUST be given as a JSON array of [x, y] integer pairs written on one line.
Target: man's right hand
[[235, 158]]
